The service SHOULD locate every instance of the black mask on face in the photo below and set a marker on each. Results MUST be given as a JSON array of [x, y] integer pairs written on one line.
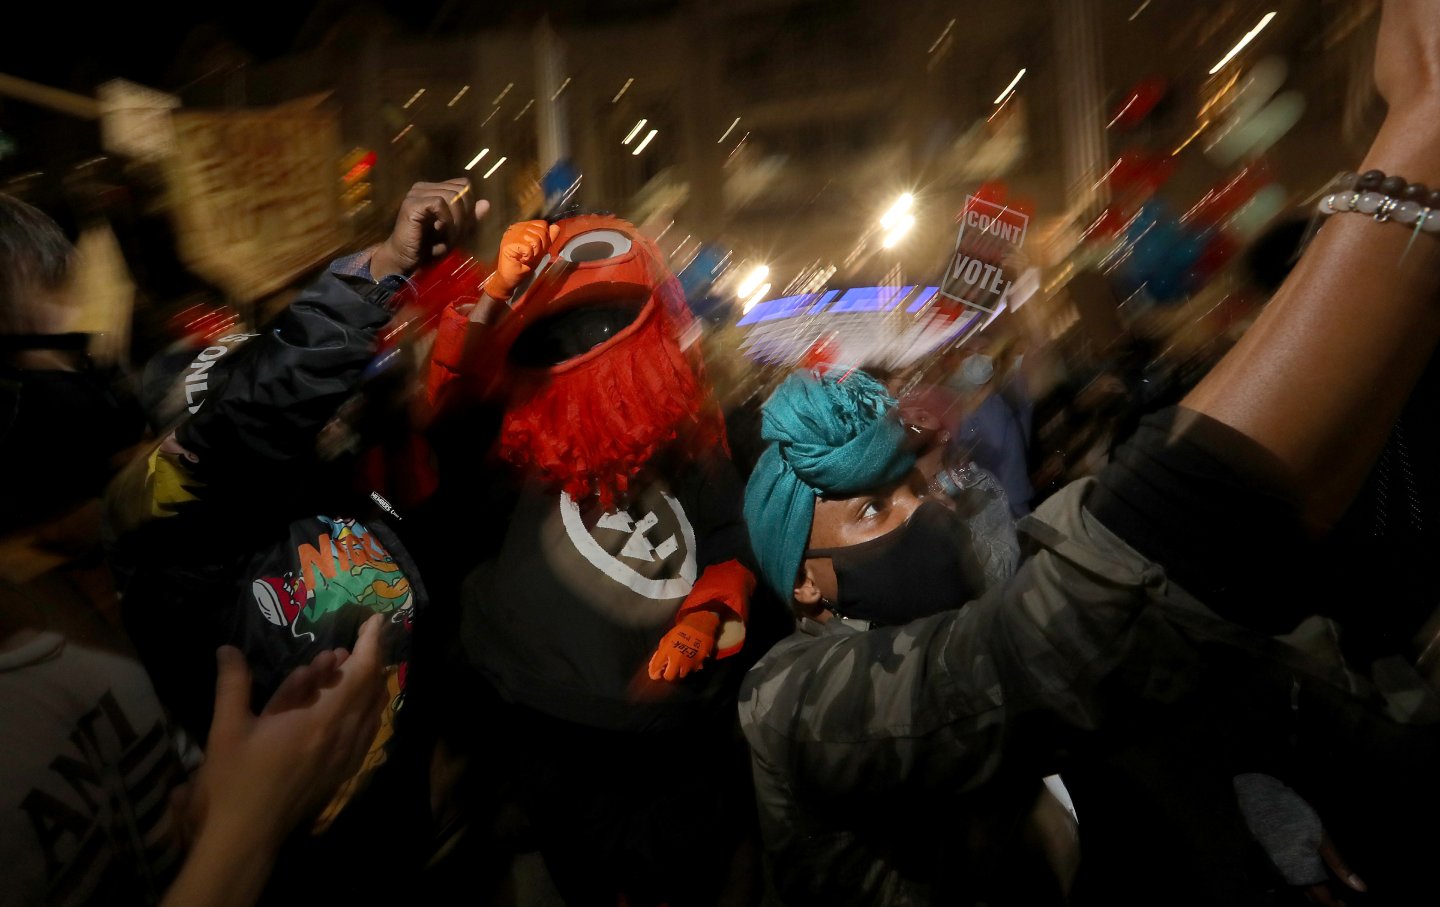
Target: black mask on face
[[913, 571]]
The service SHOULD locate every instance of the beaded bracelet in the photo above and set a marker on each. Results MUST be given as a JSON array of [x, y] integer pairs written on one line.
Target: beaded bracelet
[[1382, 208], [1384, 198]]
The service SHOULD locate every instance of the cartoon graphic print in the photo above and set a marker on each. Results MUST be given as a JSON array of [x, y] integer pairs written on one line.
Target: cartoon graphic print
[[346, 565], [281, 598]]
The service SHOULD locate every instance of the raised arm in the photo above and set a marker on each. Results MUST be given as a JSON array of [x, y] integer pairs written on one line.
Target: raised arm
[[265, 413], [1321, 377]]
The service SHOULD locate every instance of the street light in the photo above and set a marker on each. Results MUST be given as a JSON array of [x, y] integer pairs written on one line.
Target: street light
[[898, 230], [1013, 82], [897, 220], [757, 275], [1245, 39], [897, 211], [645, 141]]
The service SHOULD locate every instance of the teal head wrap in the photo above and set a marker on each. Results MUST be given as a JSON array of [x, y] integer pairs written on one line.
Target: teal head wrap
[[828, 436]]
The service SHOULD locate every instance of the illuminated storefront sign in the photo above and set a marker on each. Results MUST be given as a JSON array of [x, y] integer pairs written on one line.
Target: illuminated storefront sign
[[867, 326]]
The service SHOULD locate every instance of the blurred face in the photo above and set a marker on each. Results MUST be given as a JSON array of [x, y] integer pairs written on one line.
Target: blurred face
[[927, 437], [42, 311], [923, 429]]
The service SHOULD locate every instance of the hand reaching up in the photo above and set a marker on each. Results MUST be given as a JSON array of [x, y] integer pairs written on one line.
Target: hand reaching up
[[434, 218]]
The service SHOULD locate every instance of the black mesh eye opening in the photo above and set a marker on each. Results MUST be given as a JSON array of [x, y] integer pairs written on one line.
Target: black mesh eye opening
[[561, 337]]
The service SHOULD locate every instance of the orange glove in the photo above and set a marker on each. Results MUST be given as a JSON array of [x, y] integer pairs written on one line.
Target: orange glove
[[725, 590], [521, 248], [686, 646]]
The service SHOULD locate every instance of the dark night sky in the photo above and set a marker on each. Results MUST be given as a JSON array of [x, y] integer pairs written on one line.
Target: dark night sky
[[162, 51], [91, 50], [76, 49]]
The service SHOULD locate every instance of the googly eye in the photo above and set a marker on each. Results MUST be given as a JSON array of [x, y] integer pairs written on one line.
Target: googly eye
[[596, 245]]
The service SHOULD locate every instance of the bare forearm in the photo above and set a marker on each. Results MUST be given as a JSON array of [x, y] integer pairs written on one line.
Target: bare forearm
[[488, 309], [1321, 377]]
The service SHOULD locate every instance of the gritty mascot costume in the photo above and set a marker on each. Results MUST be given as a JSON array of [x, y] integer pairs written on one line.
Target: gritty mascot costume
[[600, 561]]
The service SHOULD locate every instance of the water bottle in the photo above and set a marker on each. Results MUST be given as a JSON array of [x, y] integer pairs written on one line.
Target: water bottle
[[953, 478]]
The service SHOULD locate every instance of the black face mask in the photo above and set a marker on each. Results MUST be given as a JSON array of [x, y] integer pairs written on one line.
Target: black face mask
[[913, 571]]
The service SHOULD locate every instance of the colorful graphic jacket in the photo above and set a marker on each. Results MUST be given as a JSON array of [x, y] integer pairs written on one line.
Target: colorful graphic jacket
[[235, 531]]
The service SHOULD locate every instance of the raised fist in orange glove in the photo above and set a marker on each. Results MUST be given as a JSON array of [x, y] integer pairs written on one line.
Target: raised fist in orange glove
[[686, 646], [521, 248]]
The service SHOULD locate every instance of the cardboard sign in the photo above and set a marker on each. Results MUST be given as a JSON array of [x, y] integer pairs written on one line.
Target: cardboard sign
[[989, 229], [254, 195], [135, 120]]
